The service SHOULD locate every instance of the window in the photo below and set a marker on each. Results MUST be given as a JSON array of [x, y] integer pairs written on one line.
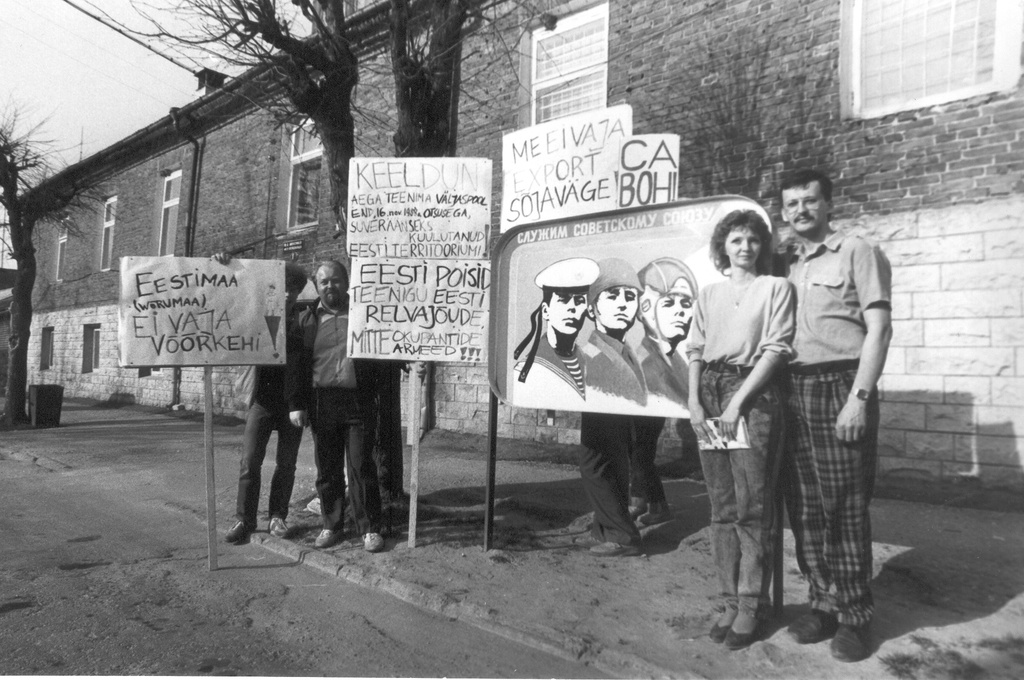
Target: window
[[304, 191], [171, 196], [570, 65], [62, 248], [46, 353], [908, 54], [90, 347], [107, 240], [359, 5]]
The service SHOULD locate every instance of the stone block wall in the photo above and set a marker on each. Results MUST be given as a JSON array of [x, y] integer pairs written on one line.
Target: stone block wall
[[953, 387]]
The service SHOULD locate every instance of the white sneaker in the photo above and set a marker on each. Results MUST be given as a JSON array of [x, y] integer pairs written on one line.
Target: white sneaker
[[373, 542], [278, 527], [327, 538]]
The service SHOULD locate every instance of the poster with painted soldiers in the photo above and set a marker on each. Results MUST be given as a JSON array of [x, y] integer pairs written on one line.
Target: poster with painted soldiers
[[418, 238], [189, 311], [592, 313]]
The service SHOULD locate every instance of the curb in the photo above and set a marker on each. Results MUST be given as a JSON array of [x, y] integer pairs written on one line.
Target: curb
[[568, 647]]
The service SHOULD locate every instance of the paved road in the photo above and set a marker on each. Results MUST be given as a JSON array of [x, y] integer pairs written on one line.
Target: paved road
[[104, 570]]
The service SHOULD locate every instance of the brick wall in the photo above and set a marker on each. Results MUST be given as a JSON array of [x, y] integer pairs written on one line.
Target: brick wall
[[940, 188]]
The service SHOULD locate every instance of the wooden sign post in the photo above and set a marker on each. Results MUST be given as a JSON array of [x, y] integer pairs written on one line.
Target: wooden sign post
[[179, 311]]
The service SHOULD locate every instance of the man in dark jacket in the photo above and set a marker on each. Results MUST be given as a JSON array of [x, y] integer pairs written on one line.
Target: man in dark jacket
[[271, 401], [338, 388]]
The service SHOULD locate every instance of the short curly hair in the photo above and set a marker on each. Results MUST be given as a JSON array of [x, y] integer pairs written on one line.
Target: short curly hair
[[751, 221]]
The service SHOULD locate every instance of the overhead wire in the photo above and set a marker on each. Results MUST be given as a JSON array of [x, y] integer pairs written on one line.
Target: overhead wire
[[160, 79], [120, 31]]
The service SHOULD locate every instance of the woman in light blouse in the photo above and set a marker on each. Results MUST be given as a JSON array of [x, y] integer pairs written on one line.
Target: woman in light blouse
[[742, 333]]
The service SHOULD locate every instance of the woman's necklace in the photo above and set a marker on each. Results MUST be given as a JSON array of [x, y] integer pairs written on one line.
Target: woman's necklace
[[737, 291]]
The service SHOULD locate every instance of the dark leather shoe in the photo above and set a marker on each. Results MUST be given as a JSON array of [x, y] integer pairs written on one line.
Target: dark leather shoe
[[656, 514], [718, 633], [734, 640], [615, 550], [851, 643], [813, 627], [239, 533]]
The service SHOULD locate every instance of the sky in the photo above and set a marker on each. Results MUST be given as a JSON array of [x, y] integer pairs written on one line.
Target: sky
[[84, 83], [89, 84]]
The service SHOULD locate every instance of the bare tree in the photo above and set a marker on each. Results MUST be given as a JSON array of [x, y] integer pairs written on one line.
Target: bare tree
[[303, 45], [31, 194]]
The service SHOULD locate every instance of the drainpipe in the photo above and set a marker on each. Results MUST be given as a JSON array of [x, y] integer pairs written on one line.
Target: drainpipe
[[181, 126]]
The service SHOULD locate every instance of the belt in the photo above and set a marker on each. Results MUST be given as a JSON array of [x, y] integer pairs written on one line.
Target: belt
[[731, 369], [825, 367]]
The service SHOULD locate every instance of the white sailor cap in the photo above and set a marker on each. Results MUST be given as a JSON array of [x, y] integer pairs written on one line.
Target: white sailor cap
[[575, 272]]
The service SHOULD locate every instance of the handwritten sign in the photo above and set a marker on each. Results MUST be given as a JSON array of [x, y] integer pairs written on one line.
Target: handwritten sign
[[648, 170], [177, 311], [419, 310], [563, 168], [430, 208]]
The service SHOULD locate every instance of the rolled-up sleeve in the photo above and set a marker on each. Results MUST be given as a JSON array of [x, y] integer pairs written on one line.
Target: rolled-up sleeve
[[780, 321], [872, 275]]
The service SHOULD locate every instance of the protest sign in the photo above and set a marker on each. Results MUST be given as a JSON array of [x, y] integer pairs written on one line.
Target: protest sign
[[177, 311], [648, 170], [544, 352], [432, 208], [417, 236], [564, 167], [419, 310]]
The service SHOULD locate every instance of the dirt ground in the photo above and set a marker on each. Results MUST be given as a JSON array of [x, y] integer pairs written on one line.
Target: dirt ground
[[948, 585]]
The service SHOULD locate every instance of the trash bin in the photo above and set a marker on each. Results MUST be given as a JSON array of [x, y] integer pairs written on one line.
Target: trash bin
[[44, 404]]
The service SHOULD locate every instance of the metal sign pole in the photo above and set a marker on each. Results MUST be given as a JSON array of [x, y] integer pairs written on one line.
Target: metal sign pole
[[492, 457], [211, 486]]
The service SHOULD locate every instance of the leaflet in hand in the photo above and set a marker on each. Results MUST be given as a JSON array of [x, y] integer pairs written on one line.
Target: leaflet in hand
[[742, 440]]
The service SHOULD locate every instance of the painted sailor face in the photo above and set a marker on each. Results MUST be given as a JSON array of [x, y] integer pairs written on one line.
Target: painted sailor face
[[615, 308], [565, 311]]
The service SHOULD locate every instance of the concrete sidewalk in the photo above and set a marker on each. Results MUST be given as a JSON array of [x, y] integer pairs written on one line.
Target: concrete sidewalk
[[949, 583]]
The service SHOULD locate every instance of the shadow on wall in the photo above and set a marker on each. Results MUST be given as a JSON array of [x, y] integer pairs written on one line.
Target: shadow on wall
[[949, 449]]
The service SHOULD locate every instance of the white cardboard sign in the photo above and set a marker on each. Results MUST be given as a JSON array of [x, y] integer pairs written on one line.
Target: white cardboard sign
[[563, 168], [178, 311], [422, 208]]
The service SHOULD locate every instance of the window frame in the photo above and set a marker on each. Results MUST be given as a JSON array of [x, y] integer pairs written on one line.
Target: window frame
[[62, 254], [563, 25], [296, 161], [90, 347], [1006, 66], [46, 348], [107, 233], [166, 233]]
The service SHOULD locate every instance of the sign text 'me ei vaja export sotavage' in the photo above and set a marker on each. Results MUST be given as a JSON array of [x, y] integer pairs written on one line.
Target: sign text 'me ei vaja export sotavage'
[[420, 280], [586, 163], [182, 311], [547, 306]]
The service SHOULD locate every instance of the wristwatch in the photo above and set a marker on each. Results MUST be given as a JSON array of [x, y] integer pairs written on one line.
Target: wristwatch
[[861, 394]]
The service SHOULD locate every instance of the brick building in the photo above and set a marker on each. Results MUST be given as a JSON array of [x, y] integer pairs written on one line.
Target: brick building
[[915, 108]]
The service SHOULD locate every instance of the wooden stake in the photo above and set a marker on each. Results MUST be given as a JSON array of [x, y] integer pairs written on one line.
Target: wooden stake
[[211, 486], [415, 381]]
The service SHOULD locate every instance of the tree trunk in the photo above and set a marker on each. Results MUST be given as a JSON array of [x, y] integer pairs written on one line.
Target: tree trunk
[[426, 81], [21, 326]]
